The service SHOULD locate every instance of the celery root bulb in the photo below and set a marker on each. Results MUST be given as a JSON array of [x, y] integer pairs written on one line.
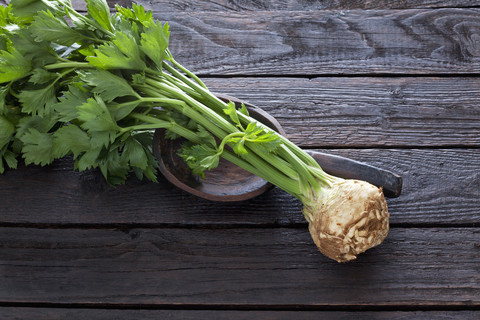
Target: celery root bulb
[[348, 219]]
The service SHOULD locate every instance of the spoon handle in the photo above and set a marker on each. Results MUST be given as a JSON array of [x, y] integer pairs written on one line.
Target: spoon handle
[[351, 169]]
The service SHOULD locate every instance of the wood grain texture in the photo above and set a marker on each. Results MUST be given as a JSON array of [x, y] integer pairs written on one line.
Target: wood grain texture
[[236, 267], [365, 112], [327, 42], [286, 5], [108, 314], [291, 5], [439, 187], [308, 42]]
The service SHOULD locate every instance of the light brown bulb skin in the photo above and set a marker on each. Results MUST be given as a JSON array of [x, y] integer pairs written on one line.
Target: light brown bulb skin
[[352, 218]]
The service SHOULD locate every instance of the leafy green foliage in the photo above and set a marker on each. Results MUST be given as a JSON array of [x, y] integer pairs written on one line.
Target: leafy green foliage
[[98, 121], [122, 53], [7, 129], [36, 54], [8, 24], [3, 96], [47, 113], [129, 27], [199, 158], [94, 88], [268, 141], [206, 137], [66, 108], [37, 147], [99, 10], [140, 168], [27, 8], [138, 79], [38, 101], [41, 76], [42, 124], [135, 13], [13, 65], [113, 167], [155, 41], [107, 85], [5, 15], [122, 110], [70, 139], [48, 27], [244, 110], [7, 158], [231, 111], [238, 145], [135, 153], [88, 160]]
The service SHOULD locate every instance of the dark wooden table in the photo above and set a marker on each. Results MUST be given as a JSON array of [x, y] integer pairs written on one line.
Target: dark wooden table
[[392, 83]]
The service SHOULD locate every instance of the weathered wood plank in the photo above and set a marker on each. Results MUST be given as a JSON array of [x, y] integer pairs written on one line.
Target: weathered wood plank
[[283, 5], [108, 314], [275, 266], [327, 42], [272, 41], [287, 5], [291, 5], [363, 112], [439, 187]]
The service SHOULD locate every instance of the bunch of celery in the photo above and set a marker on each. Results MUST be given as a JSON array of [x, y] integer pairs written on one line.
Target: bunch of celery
[[96, 86]]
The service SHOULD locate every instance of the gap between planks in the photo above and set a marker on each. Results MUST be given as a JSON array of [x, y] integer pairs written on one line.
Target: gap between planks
[[128, 227], [238, 307]]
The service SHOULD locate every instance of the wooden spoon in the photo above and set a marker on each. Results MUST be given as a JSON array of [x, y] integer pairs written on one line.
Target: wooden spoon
[[228, 182]]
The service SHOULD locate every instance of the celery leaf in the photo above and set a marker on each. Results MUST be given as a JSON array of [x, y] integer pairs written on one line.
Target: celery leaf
[[244, 110], [37, 147], [113, 167], [98, 121], [13, 65], [154, 42], [38, 101], [41, 76], [47, 27], [107, 85], [206, 137], [238, 145], [71, 99], [27, 9], [122, 53], [7, 129], [3, 95], [231, 111], [135, 153], [99, 10], [9, 158], [42, 124], [268, 141], [136, 12], [70, 139], [199, 158], [88, 160]]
